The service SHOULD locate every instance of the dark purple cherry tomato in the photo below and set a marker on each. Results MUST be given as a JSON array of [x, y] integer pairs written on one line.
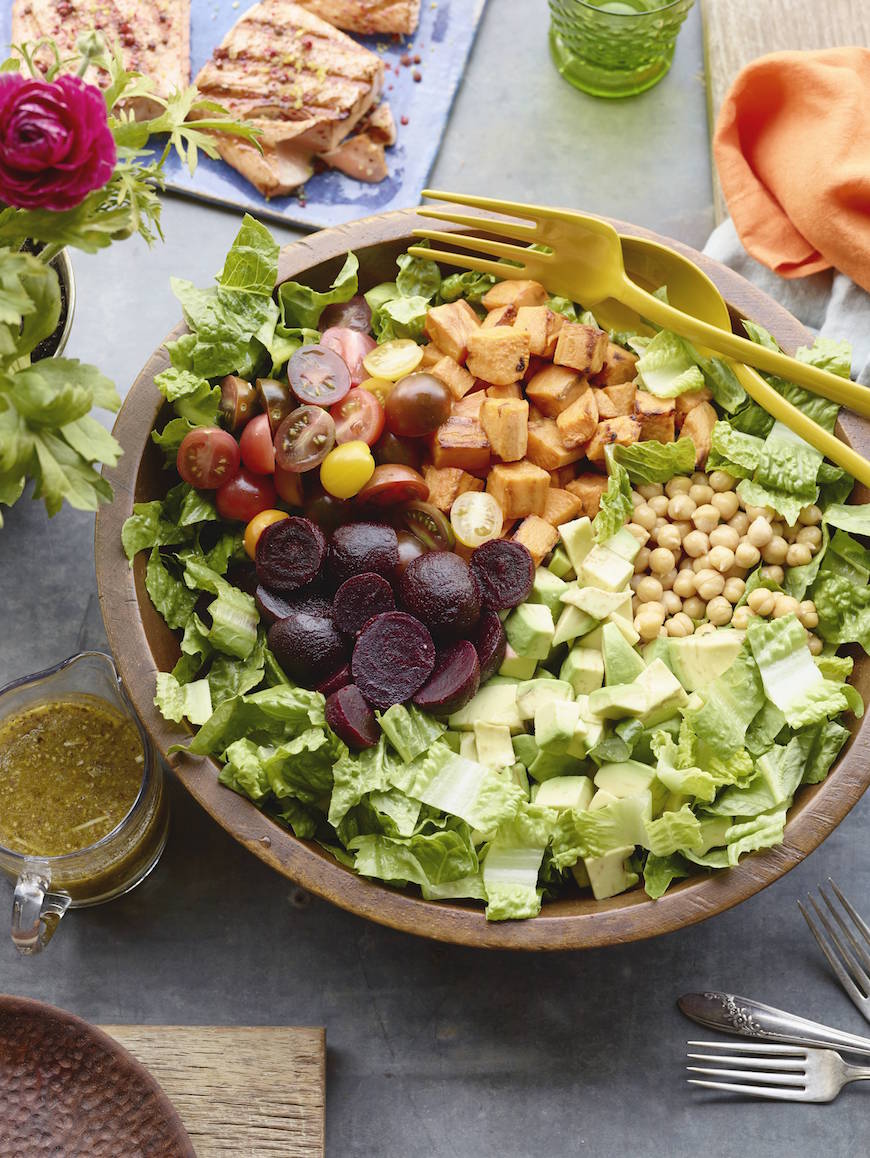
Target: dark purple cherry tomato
[[392, 484], [304, 438], [410, 548], [318, 376], [238, 402], [327, 511], [404, 451], [352, 315], [417, 405], [429, 524], [276, 399]]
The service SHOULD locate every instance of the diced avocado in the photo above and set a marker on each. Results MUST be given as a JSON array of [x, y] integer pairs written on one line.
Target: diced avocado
[[601, 798], [546, 765], [525, 748], [494, 747], [588, 734], [581, 876], [565, 792], [595, 602], [622, 664], [541, 673], [631, 814], [583, 669], [624, 543], [521, 667], [624, 779], [623, 609], [572, 623], [654, 695], [530, 630], [468, 746], [610, 874], [496, 703], [713, 831], [578, 540], [453, 740], [605, 569], [548, 589], [555, 724], [532, 693], [595, 638], [560, 564], [699, 659], [658, 649]]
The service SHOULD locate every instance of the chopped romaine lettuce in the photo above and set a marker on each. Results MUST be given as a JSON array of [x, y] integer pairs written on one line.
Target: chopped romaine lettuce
[[666, 367], [616, 504], [302, 306], [656, 462]]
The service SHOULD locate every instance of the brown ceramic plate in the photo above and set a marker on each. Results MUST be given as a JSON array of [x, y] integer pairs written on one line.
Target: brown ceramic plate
[[67, 1088], [142, 645]]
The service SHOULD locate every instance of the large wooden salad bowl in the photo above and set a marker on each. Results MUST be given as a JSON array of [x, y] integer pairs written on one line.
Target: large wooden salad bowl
[[142, 645]]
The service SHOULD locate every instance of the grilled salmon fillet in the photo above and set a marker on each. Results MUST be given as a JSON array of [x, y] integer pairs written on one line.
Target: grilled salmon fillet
[[154, 36], [368, 16], [296, 78]]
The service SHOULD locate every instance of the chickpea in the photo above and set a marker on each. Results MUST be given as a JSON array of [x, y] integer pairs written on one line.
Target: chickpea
[[649, 589], [639, 532], [808, 615], [669, 536], [775, 551], [778, 528], [706, 517], [724, 536], [635, 605], [705, 629], [649, 620], [709, 584], [660, 522], [699, 479], [759, 533], [761, 601], [741, 617], [680, 625], [667, 580], [719, 611], [789, 533], [740, 522], [645, 516], [733, 589], [721, 481], [661, 561], [681, 507], [721, 559], [659, 504], [810, 516], [812, 536], [634, 581], [637, 499], [747, 554], [701, 494], [735, 572], [672, 603], [684, 584], [651, 490], [696, 543], [726, 503], [775, 574], [784, 605], [799, 554], [694, 607], [684, 526], [641, 562], [677, 486], [760, 513], [815, 644], [702, 563]]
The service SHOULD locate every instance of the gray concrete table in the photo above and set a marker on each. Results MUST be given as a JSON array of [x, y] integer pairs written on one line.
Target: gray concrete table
[[432, 1050]]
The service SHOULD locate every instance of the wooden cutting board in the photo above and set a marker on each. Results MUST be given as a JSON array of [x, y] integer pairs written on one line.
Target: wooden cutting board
[[251, 1092], [737, 31]]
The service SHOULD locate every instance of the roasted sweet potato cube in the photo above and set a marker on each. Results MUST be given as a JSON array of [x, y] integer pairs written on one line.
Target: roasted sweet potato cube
[[688, 401], [588, 488], [581, 347], [431, 356], [619, 366], [623, 430], [562, 475], [455, 377], [502, 316], [447, 484], [450, 326], [499, 355], [615, 400], [505, 423], [553, 389], [698, 425], [469, 406], [561, 506], [656, 417], [515, 293], [511, 390], [460, 442], [519, 488], [542, 325], [546, 448], [577, 423], [538, 536]]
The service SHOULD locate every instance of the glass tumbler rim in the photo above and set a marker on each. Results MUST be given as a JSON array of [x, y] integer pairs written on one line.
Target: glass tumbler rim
[[664, 6]]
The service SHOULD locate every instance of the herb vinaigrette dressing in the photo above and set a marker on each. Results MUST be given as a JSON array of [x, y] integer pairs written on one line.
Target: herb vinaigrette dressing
[[70, 771]]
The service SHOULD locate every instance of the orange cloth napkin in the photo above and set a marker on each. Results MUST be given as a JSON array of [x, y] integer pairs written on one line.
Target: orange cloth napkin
[[792, 146]]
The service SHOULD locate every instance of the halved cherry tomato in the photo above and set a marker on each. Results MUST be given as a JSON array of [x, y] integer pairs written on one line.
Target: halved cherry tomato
[[351, 315], [358, 416], [238, 402], [380, 387], [304, 439], [351, 346], [425, 521], [318, 376], [207, 457], [345, 470], [327, 511], [394, 360], [258, 450], [256, 527], [288, 484], [476, 518], [417, 405], [276, 399], [391, 448], [245, 495], [392, 484]]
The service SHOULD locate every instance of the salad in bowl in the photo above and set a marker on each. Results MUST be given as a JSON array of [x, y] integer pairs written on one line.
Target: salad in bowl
[[486, 599]]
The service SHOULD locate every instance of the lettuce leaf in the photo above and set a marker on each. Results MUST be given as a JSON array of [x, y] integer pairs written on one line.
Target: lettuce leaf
[[849, 517], [471, 286], [826, 740], [616, 505], [730, 703], [426, 858], [656, 462], [193, 397], [844, 610], [234, 614], [660, 872], [791, 680], [400, 318], [461, 787], [267, 716], [302, 766], [171, 597], [409, 730], [301, 306], [177, 701], [580, 833], [358, 773], [244, 770], [252, 263], [510, 871], [417, 277], [666, 367], [734, 451], [673, 831]]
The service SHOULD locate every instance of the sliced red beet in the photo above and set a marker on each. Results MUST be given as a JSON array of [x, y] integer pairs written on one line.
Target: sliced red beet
[[308, 647], [438, 588], [351, 718], [454, 680], [490, 641], [360, 598], [290, 554], [339, 679], [358, 547], [393, 657], [243, 576], [505, 572]]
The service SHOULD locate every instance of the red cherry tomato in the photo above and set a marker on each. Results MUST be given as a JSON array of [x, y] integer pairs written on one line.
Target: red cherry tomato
[[318, 376], [245, 495], [207, 457], [359, 416], [258, 450], [393, 484], [304, 438], [351, 346], [288, 484]]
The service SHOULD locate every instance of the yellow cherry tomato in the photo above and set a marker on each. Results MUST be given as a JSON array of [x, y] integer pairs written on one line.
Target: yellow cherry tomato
[[380, 387], [476, 518], [347, 469], [393, 360], [256, 527]]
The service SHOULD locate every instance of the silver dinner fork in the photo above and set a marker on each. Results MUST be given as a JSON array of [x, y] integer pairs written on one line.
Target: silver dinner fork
[[847, 951], [783, 1072]]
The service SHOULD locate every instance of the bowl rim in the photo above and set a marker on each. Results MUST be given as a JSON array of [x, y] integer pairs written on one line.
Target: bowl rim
[[577, 923]]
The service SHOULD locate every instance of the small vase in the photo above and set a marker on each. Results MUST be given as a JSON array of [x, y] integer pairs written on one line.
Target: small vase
[[53, 346]]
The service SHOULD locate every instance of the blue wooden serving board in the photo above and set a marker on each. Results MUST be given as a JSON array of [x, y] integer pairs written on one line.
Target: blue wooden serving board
[[443, 41]]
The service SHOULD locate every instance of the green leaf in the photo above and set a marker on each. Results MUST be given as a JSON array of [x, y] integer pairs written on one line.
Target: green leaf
[[417, 277], [666, 367], [193, 396], [357, 774], [512, 864], [233, 613], [179, 701], [843, 608], [409, 730], [90, 439], [471, 286], [734, 451], [849, 517], [460, 787], [674, 831], [230, 676], [656, 462], [62, 474], [616, 505], [302, 306], [424, 859], [827, 739], [400, 318], [170, 438], [267, 716], [791, 680], [171, 597], [252, 263], [729, 704], [245, 772], [660, 872], [302, 766]]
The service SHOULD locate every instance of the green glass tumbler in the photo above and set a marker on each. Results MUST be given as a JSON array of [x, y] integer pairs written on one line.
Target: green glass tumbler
[[615, 48]]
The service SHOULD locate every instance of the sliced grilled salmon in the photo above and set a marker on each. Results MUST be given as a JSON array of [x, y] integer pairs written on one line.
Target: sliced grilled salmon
[[368, 16], [361, 155]]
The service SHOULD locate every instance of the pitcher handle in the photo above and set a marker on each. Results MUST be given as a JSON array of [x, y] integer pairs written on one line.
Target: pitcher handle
[[36, 912]]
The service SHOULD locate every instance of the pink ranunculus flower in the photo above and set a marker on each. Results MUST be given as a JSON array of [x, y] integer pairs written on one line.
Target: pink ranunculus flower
[[55, 142]]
